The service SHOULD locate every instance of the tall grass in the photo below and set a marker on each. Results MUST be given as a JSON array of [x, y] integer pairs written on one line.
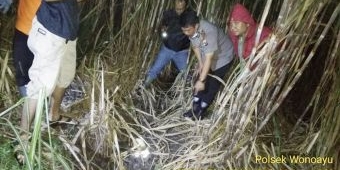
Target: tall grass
[[35, 156], [244, 121]]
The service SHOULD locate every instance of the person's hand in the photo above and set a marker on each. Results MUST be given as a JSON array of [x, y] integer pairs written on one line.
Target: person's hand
[[199, 86], [164, 28], [4, 5], [198, 69]]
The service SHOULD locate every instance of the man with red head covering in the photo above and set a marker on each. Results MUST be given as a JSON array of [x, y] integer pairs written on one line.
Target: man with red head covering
[[242, 31]]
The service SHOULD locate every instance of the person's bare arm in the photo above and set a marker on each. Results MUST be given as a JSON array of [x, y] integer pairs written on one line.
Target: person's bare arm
[[200, 83], [206, 67], [198, 56]]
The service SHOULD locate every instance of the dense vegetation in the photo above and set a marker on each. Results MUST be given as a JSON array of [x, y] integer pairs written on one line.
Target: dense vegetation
[[288, 106]]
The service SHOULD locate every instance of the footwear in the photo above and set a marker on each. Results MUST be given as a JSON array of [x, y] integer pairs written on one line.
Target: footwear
[[19, 151], [193, 111], [59, 121], [19, 155], [200, 114], [188, 114], [147, 82]]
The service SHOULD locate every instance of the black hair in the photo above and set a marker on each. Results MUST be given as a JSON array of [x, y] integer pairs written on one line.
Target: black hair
[[188, 18], [186, 2]]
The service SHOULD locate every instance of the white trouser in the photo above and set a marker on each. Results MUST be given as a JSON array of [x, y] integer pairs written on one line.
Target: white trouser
[[54, 60]]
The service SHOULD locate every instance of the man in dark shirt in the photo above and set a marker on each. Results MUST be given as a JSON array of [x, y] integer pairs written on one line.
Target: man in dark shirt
[[175, 43]]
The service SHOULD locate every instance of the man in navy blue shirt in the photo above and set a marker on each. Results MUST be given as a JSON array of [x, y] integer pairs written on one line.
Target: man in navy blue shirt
[[52, 40], [175, 43]]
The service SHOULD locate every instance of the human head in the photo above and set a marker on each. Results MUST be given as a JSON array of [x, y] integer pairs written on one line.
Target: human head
[[240, 20], [189, 22], [180, 6]]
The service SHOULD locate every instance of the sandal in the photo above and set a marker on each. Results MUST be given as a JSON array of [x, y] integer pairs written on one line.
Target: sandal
[[19, 152], [60, 120]]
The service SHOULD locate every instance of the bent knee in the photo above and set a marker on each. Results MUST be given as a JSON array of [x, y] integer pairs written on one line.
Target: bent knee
[[65, 80], [33, 89]]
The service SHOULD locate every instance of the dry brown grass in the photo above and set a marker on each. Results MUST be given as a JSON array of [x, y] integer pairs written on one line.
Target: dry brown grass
[[244, 120]]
